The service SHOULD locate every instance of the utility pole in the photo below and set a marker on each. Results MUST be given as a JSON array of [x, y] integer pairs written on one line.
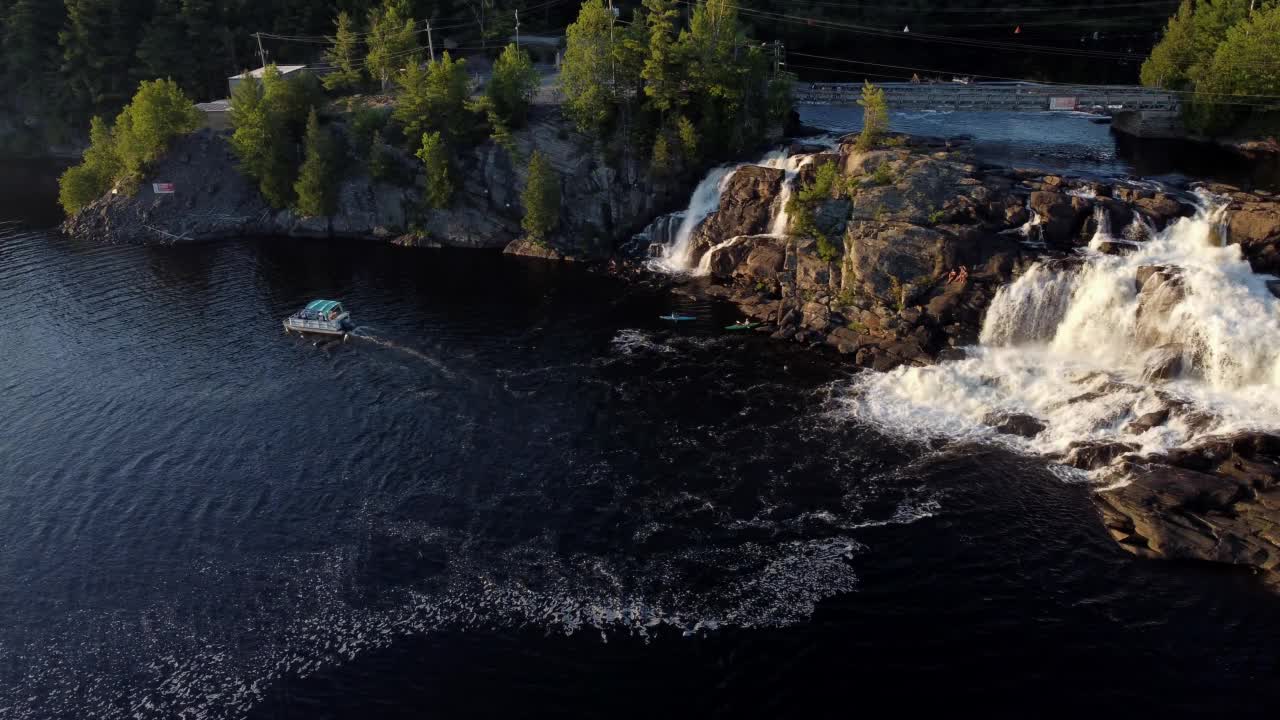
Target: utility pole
[[262, 54], [431, 46], [517, 28]]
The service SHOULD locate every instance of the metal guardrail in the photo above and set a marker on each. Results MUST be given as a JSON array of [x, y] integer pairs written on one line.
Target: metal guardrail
[[993, 96]]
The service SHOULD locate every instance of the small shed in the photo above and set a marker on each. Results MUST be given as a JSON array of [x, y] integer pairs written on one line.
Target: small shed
[[217, 114], [285, 70]]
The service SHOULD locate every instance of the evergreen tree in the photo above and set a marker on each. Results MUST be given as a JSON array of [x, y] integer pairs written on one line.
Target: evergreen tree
[[29, 41], [512, 85], [261, 140], [585, 73], [379, 162], [316, 188], [662, 71], [210, 46], [541, 199], [343, 56], [98, 47], [435, 161], [163, 51], [392, 41], [875, 116], [434, 98]]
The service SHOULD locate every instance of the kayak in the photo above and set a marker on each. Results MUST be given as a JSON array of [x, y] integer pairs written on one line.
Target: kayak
[[743, 326], [676, 318]]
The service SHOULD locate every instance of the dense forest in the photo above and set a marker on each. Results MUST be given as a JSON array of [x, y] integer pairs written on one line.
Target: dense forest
[[1222, 53], [64, 61]]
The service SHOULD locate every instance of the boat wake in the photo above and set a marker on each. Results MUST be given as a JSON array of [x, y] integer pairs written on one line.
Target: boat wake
[[367, 335]]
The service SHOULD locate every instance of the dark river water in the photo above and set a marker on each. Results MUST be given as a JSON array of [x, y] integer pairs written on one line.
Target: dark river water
[[517, 493]]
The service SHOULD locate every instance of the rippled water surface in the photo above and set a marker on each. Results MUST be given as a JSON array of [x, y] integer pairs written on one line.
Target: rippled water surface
[[518, 493]]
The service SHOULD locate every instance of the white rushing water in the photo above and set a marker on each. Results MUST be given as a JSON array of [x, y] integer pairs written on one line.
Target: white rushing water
[[678, 257], [1070, 342]]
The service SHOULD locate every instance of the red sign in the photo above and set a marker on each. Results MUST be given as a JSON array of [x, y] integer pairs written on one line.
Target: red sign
[[162, 188]]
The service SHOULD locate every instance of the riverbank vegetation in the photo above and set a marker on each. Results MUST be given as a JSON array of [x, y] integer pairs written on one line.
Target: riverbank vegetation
[[119, 153], [661, 92], [1222, 54], [679, 94]]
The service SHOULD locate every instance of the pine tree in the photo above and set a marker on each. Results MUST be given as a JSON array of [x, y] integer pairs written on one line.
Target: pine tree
[[261, 141], [541, 199], [316, 188], [585, 73], [379, 163], [393, 42], [343, 56], [98, 48], [29, 41], [512, 85], [875, 116], [662, 67], [163, 51], [210, 48], [435, 160], [434, 98]]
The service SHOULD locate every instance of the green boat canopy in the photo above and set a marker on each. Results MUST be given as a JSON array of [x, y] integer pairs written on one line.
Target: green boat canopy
[[322, 306]]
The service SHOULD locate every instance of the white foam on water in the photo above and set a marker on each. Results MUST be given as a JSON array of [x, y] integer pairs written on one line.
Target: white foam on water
[[1067, 343], [631, 341], [677, 258], [156, 663]]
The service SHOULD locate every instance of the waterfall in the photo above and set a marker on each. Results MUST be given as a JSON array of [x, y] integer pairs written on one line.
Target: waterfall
[[1073, 343], [678, 256], [791, 166]]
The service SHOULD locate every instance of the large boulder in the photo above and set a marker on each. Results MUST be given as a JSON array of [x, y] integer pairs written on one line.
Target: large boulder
[[1254, 223], [1061, 217], [746, 206], [755, 259], [1217, 502]]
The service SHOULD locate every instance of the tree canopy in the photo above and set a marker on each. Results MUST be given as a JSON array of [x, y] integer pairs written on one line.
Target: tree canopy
[[1222, 52], [119, 154]]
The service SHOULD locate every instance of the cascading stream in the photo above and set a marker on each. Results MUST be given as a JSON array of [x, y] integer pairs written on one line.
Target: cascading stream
[[1078, 345], [678, 257]]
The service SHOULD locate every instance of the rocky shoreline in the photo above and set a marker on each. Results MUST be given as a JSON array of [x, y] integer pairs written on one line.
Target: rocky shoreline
[[926, 238], [603, 199], [898, 267]]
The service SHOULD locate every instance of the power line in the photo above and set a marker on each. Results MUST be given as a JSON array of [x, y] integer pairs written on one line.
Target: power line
[[1274, 98], [926, 37], [989, 9]]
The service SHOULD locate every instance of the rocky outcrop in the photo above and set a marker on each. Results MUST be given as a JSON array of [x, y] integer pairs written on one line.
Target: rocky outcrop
[[918, 215], [1253, 221], [746, 207], [1216, 502], [601, 202]]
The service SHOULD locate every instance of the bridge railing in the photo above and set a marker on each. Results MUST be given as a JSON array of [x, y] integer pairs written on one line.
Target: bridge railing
[[993, 96]]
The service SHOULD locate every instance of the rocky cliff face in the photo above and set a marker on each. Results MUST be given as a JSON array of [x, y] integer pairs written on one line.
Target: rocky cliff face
[[601, 202]]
